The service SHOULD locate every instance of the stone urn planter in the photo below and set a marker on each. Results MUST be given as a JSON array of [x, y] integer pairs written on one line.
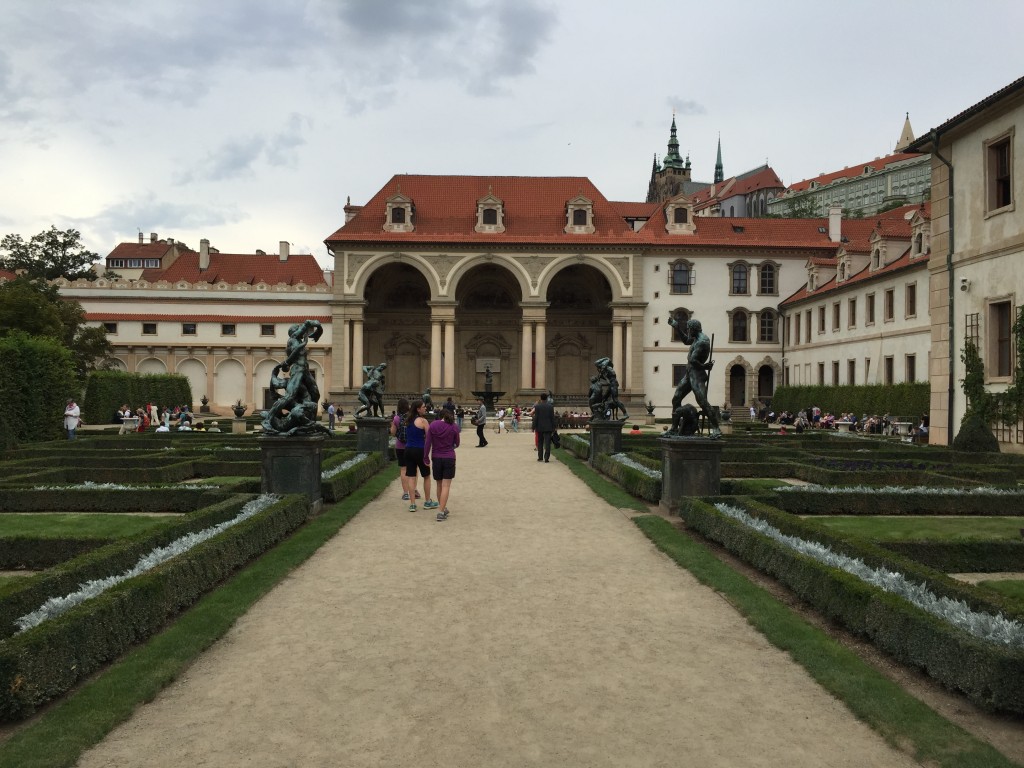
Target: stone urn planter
[[204, 406], [239, 408]]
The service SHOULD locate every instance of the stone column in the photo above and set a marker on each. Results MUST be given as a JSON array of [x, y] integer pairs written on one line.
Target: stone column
[[526, 362], [449, 354], [628, 372], [340, 336], [541, 352], [435, 353], [617, 345], [357, 353]]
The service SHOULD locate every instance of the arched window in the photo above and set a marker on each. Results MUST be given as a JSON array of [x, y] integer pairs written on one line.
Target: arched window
[[732, 211], [919, 244], [767, 326], [682, 277], [875, 258], [490, 216], [679, 215], [767, 279], [398, 215], [739, 278], [579, 217], [738, 326]]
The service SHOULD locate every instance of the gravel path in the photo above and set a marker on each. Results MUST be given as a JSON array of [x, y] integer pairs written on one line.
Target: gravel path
[[536, 627]]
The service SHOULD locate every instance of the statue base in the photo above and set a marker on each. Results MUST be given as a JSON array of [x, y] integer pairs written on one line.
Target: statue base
[[690, 466], [292, 465], [605, 437], [489, 398], [373, 434], [238, 426], [649, 420]]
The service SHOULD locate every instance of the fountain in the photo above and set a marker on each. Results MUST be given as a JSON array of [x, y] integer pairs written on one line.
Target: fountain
[[488, 394]]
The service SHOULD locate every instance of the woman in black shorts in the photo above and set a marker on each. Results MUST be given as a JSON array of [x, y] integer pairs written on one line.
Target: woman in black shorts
[[415, 433]]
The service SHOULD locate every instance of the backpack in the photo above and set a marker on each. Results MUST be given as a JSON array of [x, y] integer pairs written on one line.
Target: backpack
[[400, 430]]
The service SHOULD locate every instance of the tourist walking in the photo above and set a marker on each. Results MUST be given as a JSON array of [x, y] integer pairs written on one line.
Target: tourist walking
[[517, 414], [416, 426], [439, 454], [398, 431], [544, 424], [331, 413], [72, 418], [501, 421], [481, 424]]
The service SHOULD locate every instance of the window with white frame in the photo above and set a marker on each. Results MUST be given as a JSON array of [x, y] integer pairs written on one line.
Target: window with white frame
[[490, 214], [398, 214], [579, 216], [738, 322], [999, 173], [767, 279], [851, 313], [681, 276], [766, 326], [739, 283], [910, 300], [1000, 342]]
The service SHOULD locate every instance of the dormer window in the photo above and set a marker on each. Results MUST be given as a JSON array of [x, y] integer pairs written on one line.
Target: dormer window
[[399, 213], [490, 214], [679, 216], [876, 258], [579, 216]]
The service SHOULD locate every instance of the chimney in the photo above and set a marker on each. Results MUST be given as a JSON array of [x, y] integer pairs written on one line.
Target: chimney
[[140, 237], [835, 223], [284, 251], [204, 254], [152, 237]]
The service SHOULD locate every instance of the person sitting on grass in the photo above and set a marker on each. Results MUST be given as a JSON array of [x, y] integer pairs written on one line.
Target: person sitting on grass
[[635, 430]]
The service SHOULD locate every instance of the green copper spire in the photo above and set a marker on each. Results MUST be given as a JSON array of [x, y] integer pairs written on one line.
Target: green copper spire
[[673, 159], [719, 170]]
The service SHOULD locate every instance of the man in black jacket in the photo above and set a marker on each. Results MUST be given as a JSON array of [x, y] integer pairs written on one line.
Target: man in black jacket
[[544, 424]]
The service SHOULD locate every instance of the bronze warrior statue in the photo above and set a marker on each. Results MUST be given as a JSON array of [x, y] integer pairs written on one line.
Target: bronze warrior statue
[[698, 371], [294, 411], [372, 392], [604, 392]]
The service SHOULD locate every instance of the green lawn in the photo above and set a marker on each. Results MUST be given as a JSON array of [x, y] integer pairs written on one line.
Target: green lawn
[[918, 528], [80, 524], [1010, 587]]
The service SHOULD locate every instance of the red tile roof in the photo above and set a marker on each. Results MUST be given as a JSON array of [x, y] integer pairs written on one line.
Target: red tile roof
[[628, 210], [241, 268], [5, 275], [760, 178], [147, 250], [535, 214], [851, 172], [903, 262]]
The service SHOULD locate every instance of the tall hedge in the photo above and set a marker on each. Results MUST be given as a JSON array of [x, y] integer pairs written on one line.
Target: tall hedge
[[907, 399], [38, 375], [106, 391]]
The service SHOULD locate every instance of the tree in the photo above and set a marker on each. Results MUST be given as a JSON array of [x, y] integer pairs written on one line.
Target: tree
[[38, 310], [801, 207], [49, 255]]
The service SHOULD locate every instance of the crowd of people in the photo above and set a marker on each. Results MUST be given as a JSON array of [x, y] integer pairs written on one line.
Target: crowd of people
[[166, 419], [815, 418]]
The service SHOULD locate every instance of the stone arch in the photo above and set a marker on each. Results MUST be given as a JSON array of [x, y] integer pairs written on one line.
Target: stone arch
[[365, 271], [466, 266], [738, 373], [767, 377], [229, 382], [485, 346], [571, 359], [117, 364], [550, 272], [151, 365], [261, 373], [195, 371]]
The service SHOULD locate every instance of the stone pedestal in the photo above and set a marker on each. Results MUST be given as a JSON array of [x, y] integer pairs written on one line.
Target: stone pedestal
[[373, 434], [690, 466], [649, 420], [292, 465], [238, 426], [605, 437]]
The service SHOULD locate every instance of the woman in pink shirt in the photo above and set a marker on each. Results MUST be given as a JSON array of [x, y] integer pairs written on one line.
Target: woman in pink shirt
[[439, 453]]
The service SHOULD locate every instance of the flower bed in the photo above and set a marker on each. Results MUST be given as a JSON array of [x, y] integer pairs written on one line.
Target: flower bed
[[990, 674], [45, 661]]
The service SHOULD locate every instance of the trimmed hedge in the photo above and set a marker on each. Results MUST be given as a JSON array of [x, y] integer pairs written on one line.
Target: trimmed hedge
[[906, 399], [46, 661], [104, 500], [106, 391], [341, 485], [35, 553], [963, 556], [39, 376], [892, 503], [991, 676], [631, 479]]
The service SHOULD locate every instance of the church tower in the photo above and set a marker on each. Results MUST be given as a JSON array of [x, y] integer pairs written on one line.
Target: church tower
[[907, 137], [670, 178], [719, 169]]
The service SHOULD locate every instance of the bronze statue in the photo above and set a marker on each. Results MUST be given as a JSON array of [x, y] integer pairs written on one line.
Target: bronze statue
[[427, 400], [372, 392], [488, 378], [294, 411], [604, 392], [698, 371]]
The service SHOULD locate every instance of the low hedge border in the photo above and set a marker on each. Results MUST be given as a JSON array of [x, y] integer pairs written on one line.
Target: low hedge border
[[630, 478], [35, 553], [991, 676], [579, 446], [341, 485], [108, 500], [46, 661], [28, 594], [963, 556], [892, 503]]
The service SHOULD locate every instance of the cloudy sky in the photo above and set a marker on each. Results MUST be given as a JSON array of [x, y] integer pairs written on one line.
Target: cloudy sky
[[251, 121]]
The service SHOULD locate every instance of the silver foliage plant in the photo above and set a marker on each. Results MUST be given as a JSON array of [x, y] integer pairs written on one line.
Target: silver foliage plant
[[915, 490], [89, 485], [55, 606], [994, 629], [626, 461], [327, 474]]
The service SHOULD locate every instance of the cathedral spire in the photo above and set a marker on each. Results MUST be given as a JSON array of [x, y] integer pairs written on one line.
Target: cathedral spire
[[719, 170], [907, 137], [673, 159]]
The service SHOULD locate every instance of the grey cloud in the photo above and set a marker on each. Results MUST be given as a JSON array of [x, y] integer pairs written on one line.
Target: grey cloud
[[237, 157], [150, 214], [685, 106]]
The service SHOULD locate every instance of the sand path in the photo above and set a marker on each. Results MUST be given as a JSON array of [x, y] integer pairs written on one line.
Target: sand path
[[537, 626]]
